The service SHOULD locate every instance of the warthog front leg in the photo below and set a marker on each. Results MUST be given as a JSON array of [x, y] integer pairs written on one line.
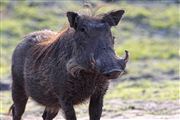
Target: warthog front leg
[[68, 109], [95, 107]]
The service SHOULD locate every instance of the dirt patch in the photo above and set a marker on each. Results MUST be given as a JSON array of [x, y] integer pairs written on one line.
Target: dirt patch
[[117, 109]]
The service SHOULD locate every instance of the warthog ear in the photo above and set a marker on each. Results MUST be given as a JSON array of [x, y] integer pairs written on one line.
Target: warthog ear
[[72, 19], [113, 17]]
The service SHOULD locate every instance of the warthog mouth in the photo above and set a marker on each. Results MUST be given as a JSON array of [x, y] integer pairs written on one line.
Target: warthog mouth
[[75, 68]]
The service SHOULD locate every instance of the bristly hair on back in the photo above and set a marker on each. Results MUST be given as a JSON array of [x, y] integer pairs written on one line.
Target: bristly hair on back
[[43, 49]]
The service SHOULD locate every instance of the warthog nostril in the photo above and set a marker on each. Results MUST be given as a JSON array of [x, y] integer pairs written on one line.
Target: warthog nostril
[[112, 74]]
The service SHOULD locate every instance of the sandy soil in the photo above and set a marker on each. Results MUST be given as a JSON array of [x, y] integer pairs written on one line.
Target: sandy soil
[[116, 110]]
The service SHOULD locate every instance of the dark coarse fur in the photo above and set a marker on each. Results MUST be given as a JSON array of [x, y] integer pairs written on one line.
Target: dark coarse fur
[[59, 71]]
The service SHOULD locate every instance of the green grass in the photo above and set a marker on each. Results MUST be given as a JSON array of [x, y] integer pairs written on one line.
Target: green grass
[[146, 90], [11, 28], [149, 49], [166, 19], [165, 69], [151, 16], [164, 66], [5, 98]]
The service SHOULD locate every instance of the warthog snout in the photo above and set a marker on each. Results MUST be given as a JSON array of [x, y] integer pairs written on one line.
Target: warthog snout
[[115, 71]]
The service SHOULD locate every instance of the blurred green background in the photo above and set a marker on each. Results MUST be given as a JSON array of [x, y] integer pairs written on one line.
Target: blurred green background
[[149, 30]]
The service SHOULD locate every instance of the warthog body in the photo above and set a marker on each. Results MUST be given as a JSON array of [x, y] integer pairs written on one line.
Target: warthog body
[[59, 70]]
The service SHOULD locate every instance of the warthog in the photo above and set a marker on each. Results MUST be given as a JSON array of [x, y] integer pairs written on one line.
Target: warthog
[[62, 69]]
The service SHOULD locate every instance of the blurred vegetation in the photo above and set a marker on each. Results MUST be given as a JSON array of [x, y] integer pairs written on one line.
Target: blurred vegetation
[[147, 31], [5, 98], [146, 90], [149, 49]]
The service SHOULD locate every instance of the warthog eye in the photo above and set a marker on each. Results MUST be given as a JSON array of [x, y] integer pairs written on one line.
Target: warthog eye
[[82, 29]]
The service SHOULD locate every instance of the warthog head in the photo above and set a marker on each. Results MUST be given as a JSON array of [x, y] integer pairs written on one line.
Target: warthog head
[[94, 45]]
